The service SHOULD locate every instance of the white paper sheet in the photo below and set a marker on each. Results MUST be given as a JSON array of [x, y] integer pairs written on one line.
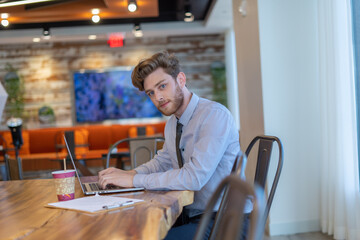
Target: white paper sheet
[[95, 203]]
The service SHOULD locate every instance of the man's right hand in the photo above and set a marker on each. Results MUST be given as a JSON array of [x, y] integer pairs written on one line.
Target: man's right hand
[[117, 177]]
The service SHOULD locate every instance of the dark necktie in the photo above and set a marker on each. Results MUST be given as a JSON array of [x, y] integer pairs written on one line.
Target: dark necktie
[[177, 142]]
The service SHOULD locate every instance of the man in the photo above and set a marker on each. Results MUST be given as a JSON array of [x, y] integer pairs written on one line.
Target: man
[[207, 148]]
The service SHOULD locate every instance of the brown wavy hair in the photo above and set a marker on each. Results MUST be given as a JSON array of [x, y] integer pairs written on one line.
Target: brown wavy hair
[[168, 62]]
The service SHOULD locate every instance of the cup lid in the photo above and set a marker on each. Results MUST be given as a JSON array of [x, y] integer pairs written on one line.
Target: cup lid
[[62, 173]]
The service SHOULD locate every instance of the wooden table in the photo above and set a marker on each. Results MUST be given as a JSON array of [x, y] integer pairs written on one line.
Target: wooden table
[[23, 215]]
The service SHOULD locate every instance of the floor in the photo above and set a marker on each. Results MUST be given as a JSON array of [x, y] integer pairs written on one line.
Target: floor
[[302, 236]]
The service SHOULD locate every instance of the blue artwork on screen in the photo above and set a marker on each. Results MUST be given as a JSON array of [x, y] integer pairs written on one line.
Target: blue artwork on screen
[[109, 94]]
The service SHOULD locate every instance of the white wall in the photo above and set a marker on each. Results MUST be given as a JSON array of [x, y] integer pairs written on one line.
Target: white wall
[[289, 63]]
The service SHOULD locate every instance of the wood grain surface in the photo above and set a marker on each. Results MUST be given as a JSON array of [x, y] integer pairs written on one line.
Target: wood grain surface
[[23, 215]]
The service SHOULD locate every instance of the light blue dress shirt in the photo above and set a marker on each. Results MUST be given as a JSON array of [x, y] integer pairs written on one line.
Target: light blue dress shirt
[[209, 145]]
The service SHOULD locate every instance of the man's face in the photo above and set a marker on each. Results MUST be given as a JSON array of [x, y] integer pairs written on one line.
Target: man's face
[[164, 92]]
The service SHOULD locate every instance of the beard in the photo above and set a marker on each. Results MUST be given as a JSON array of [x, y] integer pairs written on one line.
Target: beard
[[175, 103]]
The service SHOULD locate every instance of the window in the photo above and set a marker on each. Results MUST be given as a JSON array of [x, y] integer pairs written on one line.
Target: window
[[356, 36]]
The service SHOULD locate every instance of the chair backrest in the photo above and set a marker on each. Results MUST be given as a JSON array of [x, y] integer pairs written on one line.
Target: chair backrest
[[238, 170], [13, 165], [263, 163], [139, 131], [239, 164], [5, 157], [70, 138], [230, 222], [142, 149], [78, 137]]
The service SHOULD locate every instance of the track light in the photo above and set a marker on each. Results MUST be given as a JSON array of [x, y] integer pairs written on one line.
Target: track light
[[46, 33], [189, 17], [95, 18], [4, 19], [137, 30], [132, 6]]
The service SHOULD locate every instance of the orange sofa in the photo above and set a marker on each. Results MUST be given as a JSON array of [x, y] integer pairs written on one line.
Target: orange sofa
[[42, 147]]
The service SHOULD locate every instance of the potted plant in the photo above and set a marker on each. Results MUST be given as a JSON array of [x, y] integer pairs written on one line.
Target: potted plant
[[46, 115], [14, 87]]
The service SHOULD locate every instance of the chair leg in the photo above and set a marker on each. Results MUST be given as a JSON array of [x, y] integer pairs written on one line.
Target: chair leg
[[15, 169], [3, 172], [6, 173]]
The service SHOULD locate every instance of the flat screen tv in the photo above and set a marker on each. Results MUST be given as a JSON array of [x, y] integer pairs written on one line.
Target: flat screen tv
[[108, 94]]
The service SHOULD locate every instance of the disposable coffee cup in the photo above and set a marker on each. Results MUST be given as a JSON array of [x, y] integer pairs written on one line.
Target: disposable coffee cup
[[64, 184]]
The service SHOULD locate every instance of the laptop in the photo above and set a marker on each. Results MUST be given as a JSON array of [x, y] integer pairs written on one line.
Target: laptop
[[90, 186]]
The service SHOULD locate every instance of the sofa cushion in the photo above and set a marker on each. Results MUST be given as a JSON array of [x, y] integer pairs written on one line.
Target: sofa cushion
[[119, 132], [99, 137], [43, 140], [81, 137]]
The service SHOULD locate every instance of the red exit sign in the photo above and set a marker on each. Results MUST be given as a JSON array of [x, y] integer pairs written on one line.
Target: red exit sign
[[116, 40]]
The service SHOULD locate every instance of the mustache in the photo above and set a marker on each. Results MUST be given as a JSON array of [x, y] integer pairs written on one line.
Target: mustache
[[162, 102]]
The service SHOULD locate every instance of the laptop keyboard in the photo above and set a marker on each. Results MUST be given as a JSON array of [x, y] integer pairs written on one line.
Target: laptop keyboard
[[94, 187]]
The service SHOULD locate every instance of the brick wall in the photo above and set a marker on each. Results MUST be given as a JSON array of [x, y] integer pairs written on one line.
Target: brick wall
[[46, 68]]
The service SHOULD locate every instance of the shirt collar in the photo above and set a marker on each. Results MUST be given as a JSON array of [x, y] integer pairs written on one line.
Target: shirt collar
[[190, 109]]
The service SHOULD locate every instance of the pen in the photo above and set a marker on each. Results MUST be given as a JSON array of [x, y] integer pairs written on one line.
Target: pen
[[107, 207]]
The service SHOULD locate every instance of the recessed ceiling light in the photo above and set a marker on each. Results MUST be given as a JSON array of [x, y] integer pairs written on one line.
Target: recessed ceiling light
[[92, 37], [95, 11], [36, 39], [5, 22], [132, 6], [4, 15], [95, 18]]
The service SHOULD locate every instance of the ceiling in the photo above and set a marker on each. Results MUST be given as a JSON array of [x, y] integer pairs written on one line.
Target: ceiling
[[64, 13], [71, 19]]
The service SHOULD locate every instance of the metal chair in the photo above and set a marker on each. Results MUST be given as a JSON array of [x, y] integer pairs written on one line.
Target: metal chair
[[239, 164], [230, 222], [142, 149], [78, 141], [4, 168], [238, 170], [263, 162], [80, 164], [140, 131], [13, 164]]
